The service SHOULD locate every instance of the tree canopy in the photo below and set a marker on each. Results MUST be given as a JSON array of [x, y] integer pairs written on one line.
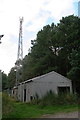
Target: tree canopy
[[4, 81], [56, 47]]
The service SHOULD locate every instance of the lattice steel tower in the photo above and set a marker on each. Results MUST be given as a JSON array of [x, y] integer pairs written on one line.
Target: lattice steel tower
[[19, 55], [20, 42]]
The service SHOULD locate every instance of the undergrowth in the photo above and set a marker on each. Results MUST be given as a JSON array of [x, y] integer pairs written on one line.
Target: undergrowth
[[7, 104], [53, 99], [49, 104]]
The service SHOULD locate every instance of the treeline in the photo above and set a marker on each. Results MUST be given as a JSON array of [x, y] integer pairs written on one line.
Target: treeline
[[56, 48]]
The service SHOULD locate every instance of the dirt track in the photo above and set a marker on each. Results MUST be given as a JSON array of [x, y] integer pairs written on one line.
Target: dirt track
[[63, 115]]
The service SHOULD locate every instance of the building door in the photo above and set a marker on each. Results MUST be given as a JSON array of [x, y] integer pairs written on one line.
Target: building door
[[62, 90], [24, 95]]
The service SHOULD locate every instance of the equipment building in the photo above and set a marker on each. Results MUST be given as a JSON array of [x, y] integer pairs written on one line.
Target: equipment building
[[39, 86]]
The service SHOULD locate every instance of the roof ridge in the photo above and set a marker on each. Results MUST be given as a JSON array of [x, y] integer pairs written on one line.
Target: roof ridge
[[32, 79]]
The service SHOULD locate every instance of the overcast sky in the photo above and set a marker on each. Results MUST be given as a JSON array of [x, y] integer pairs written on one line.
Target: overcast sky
[[36, 13]]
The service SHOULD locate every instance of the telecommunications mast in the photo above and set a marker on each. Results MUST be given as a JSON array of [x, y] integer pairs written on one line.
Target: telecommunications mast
[[19, 55], [20, 42]]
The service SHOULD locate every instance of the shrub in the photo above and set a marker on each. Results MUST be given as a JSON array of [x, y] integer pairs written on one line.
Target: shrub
[[53, 99], [7, 104]]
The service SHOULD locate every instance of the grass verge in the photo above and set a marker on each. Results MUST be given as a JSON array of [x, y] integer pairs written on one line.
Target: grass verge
[[13, 109], [23, 110]]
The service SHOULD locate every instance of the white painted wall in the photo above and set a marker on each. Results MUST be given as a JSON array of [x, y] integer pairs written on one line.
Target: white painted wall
[[41, 85]]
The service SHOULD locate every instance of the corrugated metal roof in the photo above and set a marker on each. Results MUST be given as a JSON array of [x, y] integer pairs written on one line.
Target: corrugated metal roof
[[53, 72]]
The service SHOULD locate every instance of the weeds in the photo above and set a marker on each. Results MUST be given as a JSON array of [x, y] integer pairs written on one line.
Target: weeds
[[52, 99], [49, 104], [7, 104]]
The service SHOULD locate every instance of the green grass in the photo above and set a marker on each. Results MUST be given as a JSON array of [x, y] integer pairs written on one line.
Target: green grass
[[23, 110], [13, 109]]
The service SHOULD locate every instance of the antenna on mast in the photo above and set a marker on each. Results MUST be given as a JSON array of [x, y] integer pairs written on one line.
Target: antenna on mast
[[20, 42], [19, 54]]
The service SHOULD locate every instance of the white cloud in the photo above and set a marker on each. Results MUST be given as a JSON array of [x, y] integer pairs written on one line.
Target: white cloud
[[36, 14]]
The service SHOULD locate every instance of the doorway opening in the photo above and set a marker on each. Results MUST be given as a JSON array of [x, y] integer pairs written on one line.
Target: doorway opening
[[24, 95]]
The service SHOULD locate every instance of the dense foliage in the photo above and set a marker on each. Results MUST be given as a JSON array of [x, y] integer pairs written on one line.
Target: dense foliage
[[4, 81], [7, 104], [53, 99], [56, 47]]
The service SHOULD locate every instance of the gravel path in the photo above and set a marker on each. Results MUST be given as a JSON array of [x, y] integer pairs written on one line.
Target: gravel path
[[62, 115]]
